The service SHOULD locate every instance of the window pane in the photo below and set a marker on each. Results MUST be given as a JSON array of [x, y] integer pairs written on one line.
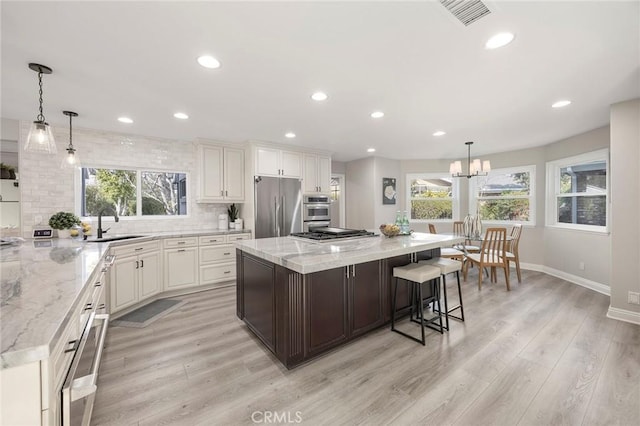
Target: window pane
[[430, 188], [499, 185], [108, 191], [589, 178], [164, 194], [583, 210], [431, 209], [507, 209]]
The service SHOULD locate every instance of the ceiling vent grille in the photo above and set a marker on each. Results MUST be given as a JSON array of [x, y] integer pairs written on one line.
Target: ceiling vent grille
[[466, 11]]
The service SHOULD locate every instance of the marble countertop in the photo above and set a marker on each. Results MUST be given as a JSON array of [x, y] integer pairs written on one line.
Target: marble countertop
[[307, 257], [40, 284]]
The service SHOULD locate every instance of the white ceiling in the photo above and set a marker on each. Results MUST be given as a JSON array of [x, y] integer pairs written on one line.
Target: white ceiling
[[412, 60]]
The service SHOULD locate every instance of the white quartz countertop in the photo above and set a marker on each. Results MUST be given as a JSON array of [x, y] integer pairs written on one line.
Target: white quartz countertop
[[307, 257], [40, 284]]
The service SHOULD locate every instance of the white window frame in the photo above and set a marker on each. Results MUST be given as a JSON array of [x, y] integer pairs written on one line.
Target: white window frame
[[138, 216], [553, 190], [473, 195], [455, 195]]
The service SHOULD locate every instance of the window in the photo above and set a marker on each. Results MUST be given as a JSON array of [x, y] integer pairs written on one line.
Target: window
[[505, 195], [133, 193], [432, 197], [577, 190]]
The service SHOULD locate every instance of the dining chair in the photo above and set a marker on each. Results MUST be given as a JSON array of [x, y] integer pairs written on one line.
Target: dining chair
[[491, 255], [449, 253], [512, 249], [458, 229]]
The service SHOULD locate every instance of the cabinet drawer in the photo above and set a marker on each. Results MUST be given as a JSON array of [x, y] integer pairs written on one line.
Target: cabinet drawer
[[217, 273], [213, 254], [238, 237], [180, 242], [133, 249], [212, 239]]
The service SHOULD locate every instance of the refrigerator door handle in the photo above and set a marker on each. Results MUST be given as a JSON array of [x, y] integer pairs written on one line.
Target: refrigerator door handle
[[284, 213], [276, 228]]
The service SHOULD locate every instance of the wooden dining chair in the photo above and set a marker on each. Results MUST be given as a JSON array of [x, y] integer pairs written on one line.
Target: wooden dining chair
[[492, 255], [512, 249], [458, 229], [449, 253]]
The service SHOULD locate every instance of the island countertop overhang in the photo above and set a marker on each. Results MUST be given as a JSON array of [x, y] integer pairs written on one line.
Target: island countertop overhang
[[308, 257]]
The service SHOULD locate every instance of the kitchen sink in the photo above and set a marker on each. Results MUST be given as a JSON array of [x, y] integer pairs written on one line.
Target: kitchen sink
[[114, 238]]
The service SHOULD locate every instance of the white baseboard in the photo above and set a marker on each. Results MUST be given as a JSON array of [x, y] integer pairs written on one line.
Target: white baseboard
[[592, 285], [624, 315]]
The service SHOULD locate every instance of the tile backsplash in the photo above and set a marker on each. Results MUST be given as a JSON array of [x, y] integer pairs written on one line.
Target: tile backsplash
[[47, 188]]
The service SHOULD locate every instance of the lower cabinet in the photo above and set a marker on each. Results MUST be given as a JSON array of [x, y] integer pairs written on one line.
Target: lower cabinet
[[135, 277], [181, 267]]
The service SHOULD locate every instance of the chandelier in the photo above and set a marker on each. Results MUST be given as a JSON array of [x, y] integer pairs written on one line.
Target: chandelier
[[474, 168]]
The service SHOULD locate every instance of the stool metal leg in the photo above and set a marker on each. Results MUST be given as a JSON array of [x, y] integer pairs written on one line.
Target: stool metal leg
[[460, 296], [446, 305], [393, 309], [421, 311]]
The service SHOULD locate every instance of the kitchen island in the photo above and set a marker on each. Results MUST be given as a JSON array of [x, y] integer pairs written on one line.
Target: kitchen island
[[304, 298]]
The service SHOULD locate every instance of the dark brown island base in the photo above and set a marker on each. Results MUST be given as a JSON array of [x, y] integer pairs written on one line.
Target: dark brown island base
[[302, 299]]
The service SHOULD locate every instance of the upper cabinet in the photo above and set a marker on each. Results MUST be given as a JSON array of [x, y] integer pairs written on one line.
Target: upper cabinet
[[317, 173], [275, 162], [220, 174]]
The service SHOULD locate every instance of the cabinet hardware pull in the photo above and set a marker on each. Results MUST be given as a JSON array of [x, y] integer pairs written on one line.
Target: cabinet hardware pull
[[88, 306], [101, 306], [139, 248], [74, 347], [227, 272], [221, 192], [354, 271], [347, 273], [226, 193], [182, 242], [137, 264], [142, 263], [227, 254], [181, 250], [97, 284]]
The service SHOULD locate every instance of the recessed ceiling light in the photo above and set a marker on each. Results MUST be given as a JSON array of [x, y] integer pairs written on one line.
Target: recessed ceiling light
[[181, 115], [499, 40], [319, 96], [561, 104], [208, 61], [439, 133], [290, 135], [371, 150], [125, 120], [377, 114]]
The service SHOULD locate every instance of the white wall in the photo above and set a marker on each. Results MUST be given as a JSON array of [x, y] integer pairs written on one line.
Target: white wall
[[360, 198], [625, 209], [46, 188]]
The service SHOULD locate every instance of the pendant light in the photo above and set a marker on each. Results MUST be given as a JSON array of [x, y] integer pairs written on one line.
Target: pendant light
[[475, 168], [71, 160], [40, 138]]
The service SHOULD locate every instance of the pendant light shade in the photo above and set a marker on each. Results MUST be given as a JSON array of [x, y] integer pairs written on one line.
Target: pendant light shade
[[40, 137], [474, 168], [71, 160]]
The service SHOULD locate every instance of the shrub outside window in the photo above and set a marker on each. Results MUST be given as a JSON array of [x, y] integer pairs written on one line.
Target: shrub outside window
[[578, 192], [431, 197], [132, 193], [505, 195]]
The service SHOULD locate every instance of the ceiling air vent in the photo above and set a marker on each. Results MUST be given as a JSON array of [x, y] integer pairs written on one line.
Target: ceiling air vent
[[466, 11]]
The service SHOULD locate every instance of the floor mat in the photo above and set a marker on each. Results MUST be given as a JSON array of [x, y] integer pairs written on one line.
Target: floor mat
[[147, 314]]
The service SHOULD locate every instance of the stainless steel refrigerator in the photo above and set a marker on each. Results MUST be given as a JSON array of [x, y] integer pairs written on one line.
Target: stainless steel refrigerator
[[278, 206]]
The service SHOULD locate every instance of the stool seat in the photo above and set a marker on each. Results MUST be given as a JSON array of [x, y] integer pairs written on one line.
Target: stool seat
[[417, 272], [451, 252], [447, 266]]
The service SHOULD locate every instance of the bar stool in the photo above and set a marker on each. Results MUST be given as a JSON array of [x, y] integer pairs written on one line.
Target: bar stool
[[417, 274], [448, 266]]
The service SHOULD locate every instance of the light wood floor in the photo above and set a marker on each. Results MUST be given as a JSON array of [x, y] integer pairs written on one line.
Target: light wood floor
[[542, 354]]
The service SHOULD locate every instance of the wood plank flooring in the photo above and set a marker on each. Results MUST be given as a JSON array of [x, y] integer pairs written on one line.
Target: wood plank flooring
[[543, 354]]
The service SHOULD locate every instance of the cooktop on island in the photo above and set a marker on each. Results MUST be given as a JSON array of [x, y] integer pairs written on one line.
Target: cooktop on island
[[333, 234]]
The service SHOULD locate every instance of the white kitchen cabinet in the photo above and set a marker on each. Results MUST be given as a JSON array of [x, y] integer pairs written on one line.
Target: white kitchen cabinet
[[220, 174], [180, 263], [317, 173], [136, 274], [218, 258], [279, 163]]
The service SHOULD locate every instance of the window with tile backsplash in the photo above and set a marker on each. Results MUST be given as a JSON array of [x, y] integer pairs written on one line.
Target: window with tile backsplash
[[46, 188]]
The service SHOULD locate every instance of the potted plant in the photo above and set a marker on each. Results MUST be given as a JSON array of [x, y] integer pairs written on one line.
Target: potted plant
[[233, 215], [63, 222]]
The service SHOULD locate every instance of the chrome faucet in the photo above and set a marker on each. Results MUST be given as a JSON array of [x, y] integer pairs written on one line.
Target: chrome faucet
[[115, 216]]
